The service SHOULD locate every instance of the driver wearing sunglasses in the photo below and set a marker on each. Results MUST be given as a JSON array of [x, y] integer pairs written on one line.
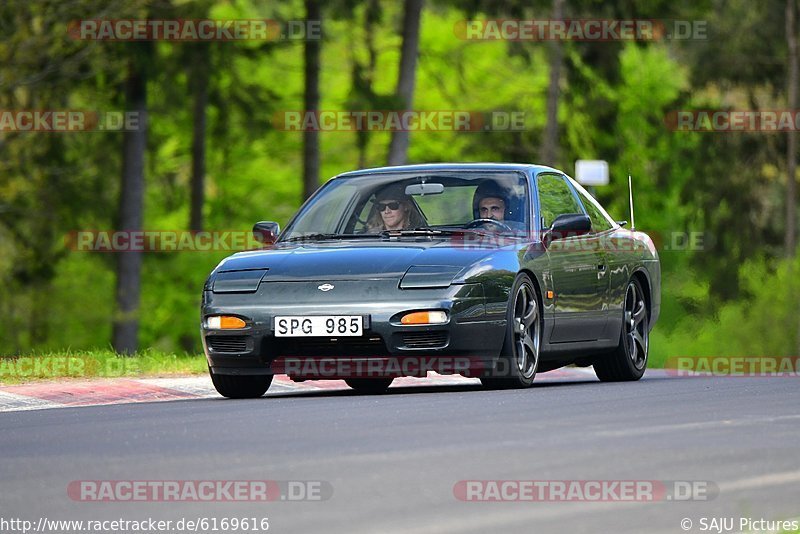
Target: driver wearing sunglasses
[[391, 210]]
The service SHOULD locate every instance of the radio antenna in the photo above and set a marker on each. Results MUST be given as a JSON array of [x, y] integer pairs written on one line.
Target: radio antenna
[[630, 197]]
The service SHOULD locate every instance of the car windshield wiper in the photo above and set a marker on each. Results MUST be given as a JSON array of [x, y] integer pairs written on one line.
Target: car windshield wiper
[[326, 237], [427, 231], [422, 231]]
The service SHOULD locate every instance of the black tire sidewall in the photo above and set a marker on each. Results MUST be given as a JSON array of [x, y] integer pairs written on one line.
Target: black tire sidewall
[[624, 347], [241, 386], [507, 359]]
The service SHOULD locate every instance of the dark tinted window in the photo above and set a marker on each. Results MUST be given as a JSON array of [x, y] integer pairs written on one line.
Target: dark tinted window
[[350, 204], [555, 198]]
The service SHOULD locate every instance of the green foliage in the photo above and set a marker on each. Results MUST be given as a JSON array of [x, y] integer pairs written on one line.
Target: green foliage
[[731, 296], [765, 322], [76, 364]]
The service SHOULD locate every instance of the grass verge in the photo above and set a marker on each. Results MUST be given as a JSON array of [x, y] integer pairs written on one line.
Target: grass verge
[[97, 364]]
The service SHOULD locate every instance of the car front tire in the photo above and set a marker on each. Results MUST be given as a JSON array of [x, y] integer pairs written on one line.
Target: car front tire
[[241, 386], [519, 359], [629, 360]]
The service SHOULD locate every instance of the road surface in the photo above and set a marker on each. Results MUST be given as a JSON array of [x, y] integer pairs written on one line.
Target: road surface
[[391, 463]]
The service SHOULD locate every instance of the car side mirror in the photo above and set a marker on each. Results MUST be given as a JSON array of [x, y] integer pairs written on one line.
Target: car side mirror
[[266, 232], [569, 225]]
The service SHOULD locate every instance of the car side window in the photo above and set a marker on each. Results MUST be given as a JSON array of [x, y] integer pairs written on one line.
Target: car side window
[[599, 221], [555, 198]]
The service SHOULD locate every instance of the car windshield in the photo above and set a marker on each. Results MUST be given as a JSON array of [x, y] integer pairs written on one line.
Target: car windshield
[[414, 204]]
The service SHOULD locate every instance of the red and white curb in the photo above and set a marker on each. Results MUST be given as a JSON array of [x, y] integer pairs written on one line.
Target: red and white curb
[[66, 394]]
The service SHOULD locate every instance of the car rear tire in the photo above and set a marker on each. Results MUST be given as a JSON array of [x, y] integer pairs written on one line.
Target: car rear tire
[[519, 358], [629, 360], [370, 386], [241, 386]]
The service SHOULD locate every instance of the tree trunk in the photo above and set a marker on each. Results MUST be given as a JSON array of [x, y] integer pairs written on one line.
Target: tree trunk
[[549, 149], [398, 148], [791, 142], [371, 17], [199, 88], [311, 137], [131, 200]]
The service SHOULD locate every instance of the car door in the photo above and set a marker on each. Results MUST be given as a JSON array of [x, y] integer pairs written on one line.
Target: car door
[[602, 227], [577, 267]]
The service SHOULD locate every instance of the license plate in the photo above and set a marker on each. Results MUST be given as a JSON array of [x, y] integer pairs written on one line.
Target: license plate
[[319, 326]]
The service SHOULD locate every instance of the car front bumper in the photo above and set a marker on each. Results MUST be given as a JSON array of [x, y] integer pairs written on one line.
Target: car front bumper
[[472, 336]]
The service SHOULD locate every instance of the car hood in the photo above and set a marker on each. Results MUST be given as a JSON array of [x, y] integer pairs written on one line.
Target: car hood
[[349, 261]]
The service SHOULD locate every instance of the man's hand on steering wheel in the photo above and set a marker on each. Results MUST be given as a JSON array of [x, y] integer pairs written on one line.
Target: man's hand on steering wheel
[[481, 222]]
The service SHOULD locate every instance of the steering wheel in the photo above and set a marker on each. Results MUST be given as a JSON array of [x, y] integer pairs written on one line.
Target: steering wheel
[[480, 222]]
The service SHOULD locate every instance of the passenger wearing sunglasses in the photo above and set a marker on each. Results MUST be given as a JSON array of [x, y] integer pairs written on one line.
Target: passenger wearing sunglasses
[[392, 210]]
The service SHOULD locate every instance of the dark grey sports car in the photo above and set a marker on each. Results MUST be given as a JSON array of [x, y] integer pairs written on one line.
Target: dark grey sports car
[[497, 271]]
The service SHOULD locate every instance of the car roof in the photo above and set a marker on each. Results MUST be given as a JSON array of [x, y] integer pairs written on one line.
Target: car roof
[[425, 167]]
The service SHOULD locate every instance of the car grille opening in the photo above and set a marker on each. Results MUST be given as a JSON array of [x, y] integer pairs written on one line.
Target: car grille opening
[[424, 340], [342, 346], [227, 343]]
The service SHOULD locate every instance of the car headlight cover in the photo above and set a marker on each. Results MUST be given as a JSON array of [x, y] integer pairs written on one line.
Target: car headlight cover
[[225, 322], [425, 317]]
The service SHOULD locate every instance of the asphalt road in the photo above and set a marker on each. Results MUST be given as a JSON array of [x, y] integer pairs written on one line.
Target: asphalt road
[[392, 461]]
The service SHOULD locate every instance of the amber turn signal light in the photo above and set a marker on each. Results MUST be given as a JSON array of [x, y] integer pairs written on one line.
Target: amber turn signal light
[[225, 322], [424, 317]]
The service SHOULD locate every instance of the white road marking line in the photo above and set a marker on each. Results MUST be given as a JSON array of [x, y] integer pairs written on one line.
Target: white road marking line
[[695, 425], [764, 481], [11, 402], [200, 386]]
